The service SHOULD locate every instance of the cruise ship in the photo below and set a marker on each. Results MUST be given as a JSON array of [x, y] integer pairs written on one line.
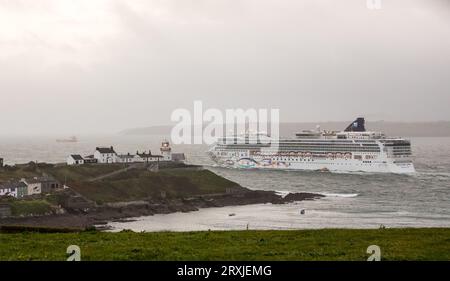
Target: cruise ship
[[351, 150]]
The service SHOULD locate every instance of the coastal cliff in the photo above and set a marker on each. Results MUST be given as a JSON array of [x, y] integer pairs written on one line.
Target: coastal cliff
[[95, 194]]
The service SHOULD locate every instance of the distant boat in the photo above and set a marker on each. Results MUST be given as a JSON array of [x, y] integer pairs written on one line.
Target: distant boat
[[71, 139]]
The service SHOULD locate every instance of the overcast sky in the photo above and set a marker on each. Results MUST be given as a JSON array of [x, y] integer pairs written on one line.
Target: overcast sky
[[84, 66]]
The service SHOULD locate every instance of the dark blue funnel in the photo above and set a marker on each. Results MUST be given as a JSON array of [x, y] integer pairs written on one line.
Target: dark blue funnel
[[357, 126]]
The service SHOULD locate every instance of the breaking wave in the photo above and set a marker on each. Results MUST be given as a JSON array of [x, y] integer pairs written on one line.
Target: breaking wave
[[343, 195]]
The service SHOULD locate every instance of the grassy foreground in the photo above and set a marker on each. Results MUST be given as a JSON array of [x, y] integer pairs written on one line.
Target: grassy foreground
[[327, 244]]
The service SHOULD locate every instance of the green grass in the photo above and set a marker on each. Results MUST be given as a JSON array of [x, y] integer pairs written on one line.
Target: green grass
[[304, 245], [205, 180], [16, 173], [82, 172], [141, 184], [29, 207], [136, 184]]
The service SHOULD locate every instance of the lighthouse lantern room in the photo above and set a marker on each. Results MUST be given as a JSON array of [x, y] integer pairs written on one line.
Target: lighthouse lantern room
[[166, 151]]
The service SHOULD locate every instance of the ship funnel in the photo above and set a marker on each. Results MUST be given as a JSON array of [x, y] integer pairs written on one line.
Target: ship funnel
[[357, 126]]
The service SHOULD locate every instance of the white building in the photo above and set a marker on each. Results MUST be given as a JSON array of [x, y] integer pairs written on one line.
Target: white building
[[125, 158], [15, 189], [143, 157], [105, 155], [75, 159], [89, 159], [8, 191], [38, 185], [149, 157], [34, 186], [108, 155]]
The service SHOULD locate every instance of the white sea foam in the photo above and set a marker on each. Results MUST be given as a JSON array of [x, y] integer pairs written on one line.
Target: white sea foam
[[282, 193], [432, 174], [343, 195]]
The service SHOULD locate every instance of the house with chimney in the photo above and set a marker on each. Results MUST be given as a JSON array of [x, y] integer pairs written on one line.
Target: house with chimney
[[125, 158], [33, 186], [105, 155], [38, 185], [148, 157]]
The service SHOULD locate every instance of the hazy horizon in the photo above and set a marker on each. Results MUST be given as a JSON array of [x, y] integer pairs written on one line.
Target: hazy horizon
[[437, 128], [98, 66]]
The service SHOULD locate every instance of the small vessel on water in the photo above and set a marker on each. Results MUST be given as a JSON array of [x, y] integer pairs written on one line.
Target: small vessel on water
[[71, 139], [351, 150]]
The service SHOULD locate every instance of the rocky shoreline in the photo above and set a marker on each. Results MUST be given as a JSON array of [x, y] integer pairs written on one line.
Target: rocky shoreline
[[101, 215]]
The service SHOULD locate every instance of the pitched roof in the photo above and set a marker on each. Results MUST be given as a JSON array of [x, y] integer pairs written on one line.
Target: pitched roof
[[105, 150], [148, 155], [76, 157], [12, 185], [125, 156]]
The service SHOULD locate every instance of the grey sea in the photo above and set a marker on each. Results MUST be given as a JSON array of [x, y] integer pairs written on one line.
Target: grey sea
[[358, 200]]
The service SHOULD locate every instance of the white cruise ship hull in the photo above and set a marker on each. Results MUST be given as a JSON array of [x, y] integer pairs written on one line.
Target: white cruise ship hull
[[332, 165]]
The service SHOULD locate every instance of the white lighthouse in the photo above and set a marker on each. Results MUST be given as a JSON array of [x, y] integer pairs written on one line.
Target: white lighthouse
[[166, 151]]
